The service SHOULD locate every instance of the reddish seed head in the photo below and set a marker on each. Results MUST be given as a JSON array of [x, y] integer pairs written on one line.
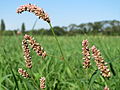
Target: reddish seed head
[[23, 73], [35, 46], [42, 82], [86, 54], [100, 62], [27, 54], [106, 88], [36, 10]]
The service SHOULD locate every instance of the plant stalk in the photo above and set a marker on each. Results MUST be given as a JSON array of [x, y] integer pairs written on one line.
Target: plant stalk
[[57, 41]]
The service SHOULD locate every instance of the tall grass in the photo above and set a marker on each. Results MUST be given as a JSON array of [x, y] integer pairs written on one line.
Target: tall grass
[[58, 75]]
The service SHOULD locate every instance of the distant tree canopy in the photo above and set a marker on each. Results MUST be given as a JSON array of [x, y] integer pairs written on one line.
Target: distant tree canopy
[[58, 30], [2, 26], [108, 27], [23, 28]]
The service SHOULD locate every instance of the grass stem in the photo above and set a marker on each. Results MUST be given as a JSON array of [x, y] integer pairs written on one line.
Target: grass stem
[[63, 58], [56, 40]]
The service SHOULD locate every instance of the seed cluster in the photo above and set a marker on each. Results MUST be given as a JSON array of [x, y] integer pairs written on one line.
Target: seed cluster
[[23, 73], [42, 82], [36, 10], [100, 62], [35, 46], [26, 54], [106, 88], [86, 54]]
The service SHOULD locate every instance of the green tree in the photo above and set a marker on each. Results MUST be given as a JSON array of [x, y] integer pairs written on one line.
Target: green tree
[[23, 28], [2, 25], [59, 31], [82, 27], [72, 27]]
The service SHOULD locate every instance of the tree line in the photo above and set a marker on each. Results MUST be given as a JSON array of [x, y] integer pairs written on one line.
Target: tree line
[[107, 27]]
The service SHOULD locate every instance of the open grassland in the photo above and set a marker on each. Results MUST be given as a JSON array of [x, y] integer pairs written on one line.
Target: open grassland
[[67, 74]]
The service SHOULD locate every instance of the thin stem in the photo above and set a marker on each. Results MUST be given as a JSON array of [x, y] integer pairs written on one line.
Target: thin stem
[[32, 78], [87, 78], [56, 40], [63, 58], [103, 80], [34, 83], [34, 24], [53, 56]]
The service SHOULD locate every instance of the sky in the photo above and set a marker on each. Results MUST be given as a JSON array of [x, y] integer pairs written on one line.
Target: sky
[[61, 12]]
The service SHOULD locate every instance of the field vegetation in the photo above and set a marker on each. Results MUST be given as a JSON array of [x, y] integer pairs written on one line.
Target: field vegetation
[[67, 74]]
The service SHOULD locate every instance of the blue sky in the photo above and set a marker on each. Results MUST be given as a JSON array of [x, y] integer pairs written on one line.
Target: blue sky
[[61, 12]]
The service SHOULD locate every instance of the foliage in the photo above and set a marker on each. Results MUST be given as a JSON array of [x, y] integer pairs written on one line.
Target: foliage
[[58, 75], [91, 28], [2, 25], [23, 28]]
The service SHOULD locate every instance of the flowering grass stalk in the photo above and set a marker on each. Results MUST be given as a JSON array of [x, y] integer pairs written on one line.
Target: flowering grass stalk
[[27, 54], [86, 54], [42, 83], [34, 9], [35, 46], [23, 73], [106, 88], [101, 64], [57, 41], [41, 14]]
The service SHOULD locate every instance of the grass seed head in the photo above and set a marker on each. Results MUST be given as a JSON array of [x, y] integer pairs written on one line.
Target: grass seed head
[[35, 46], [27, 54], [23, 73], [34, 9], [101, 64], [106, 88], [86, 54], [42, 82]]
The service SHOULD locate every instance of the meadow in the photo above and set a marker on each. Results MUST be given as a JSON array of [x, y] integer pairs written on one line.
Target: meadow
[[67, 74]]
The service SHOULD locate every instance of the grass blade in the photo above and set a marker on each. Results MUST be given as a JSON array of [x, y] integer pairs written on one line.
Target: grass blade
[[15, 79]]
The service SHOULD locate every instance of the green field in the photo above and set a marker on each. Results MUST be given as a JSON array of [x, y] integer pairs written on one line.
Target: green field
[[67, 74]]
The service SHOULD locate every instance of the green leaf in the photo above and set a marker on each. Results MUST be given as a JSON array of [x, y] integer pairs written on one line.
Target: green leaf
[[16, 83], [93, 77]]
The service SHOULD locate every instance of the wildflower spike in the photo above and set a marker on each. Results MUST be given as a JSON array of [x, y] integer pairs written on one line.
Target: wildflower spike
[[86, 54], [101, 64], [26, 54], [106, 88], [42, 82], [34, 9], [23, 73], [35, 46]]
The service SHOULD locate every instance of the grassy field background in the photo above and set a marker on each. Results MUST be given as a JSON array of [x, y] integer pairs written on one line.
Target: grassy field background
[[60, 74]]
